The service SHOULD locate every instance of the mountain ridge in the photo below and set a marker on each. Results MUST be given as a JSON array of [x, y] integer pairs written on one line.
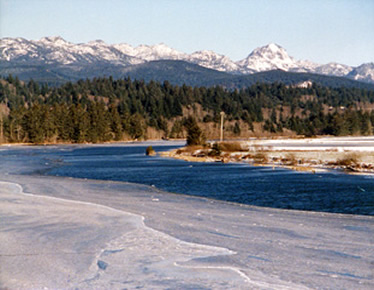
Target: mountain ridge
[[20, 52]]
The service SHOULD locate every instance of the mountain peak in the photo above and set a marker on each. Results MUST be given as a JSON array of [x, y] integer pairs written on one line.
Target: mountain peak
[[97, 41], [273, 46], [364, 72], [156, 52], [213, 60], [272, 56], [53, 39], [270, 50], [268, 57], [161, 44]]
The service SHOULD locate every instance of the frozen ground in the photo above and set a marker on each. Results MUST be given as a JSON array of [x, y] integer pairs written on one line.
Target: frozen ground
[[340, 144], [71, 233]]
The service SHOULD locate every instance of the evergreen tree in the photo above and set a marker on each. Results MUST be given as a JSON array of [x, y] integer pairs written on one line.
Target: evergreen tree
[[63, 122], [39, 113], [99, 122], [35, 124], [237, 129], [177, 130], [194, 134], [115, 123], [136, 126], [81, 124]]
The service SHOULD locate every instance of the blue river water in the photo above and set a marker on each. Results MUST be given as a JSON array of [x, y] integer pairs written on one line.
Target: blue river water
[[262, 186]]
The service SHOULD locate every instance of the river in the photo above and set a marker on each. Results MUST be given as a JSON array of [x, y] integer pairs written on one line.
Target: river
[[235, 182]]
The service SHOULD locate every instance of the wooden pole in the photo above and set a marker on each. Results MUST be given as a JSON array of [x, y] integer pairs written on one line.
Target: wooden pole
[[1, 128], [222, 115]]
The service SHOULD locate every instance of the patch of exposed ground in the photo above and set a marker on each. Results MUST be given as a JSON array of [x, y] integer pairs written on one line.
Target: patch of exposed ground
[[353, 155]]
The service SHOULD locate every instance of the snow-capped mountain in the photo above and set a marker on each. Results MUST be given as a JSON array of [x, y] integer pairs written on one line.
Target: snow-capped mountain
[[204, 58], [364, 72], [149, 53], [333, 68], [269, 57], [18, 49], [56, 50], [212, 60]]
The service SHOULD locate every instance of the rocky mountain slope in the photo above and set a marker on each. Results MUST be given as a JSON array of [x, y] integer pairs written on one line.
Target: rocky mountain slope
[[18, 56]]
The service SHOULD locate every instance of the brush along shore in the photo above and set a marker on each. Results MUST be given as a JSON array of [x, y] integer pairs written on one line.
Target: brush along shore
[[312, 156]]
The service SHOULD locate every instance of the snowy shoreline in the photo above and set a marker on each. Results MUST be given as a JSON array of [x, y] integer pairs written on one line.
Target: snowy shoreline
[[102, 240], [177, 251], [85, 234], [353, 155]]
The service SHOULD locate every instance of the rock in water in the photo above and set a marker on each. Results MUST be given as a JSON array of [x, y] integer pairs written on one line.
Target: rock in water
[[150, 151]]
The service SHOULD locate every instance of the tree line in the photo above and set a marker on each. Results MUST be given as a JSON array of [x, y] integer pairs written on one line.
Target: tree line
[[105, 109]]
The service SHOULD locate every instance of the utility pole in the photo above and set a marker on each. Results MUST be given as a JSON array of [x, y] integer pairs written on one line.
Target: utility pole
[[222, 115], [1, 128]]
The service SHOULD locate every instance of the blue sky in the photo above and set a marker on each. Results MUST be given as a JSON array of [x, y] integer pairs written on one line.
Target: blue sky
[[318, 30]]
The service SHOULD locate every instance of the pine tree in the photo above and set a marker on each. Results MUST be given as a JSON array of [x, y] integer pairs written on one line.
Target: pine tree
[[115, 123], [63, 122], [34, 124], [177, 129], [136, 126], [81, 123], [237, 129], [194, 134]]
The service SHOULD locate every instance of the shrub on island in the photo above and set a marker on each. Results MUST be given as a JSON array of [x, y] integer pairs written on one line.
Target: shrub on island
[[150, 151]]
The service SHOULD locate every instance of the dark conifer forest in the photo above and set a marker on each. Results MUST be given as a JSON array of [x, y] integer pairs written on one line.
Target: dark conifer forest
[[105, 109]]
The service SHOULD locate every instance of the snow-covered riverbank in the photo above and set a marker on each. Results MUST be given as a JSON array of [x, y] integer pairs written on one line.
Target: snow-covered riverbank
[[90, 234], [86, 234], [351, 154], [338, 144]]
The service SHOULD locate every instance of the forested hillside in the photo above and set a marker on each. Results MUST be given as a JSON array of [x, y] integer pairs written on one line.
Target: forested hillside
[[104, 109]]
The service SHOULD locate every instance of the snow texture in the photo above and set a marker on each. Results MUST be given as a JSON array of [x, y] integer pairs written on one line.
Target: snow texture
[[84, 234], [364, 72], [50, 50], [340, 144]]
